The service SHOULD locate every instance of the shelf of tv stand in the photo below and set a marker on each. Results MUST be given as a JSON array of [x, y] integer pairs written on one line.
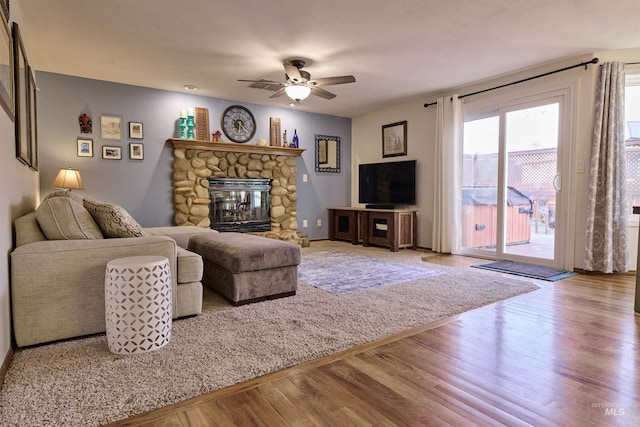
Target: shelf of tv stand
[[392, 228]]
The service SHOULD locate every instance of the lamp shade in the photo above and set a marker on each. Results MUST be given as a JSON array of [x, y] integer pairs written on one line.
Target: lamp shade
[[68, 178], [297, 92]]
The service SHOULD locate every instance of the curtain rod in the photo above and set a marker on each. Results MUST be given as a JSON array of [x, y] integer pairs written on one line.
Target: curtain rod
[[582, 64]]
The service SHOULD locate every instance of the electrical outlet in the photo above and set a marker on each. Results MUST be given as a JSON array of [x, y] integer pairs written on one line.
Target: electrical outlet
[[319, 223], [305, 177], [305, 224]]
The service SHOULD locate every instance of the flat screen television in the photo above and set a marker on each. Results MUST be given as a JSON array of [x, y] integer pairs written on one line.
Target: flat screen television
[[386, 185]]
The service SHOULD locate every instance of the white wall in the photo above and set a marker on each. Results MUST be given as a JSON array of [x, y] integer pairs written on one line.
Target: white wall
[[18, 195], [366, 138]]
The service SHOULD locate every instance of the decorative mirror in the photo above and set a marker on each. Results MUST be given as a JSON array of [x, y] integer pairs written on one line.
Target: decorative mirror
[[327, 154]]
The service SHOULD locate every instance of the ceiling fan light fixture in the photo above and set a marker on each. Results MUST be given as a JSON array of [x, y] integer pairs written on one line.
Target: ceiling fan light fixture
[[297, 92]]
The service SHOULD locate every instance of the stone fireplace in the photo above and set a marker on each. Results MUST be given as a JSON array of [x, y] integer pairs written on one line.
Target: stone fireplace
[[197, 161]]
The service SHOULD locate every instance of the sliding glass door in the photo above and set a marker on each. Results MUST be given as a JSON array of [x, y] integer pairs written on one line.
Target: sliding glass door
[[512, 198]]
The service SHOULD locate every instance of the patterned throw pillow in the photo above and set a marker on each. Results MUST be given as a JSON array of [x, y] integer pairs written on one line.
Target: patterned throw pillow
[[62, 218], [113, 220]]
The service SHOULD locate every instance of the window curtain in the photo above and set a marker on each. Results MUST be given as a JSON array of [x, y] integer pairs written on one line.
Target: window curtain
[[447, 216], [607, 236]]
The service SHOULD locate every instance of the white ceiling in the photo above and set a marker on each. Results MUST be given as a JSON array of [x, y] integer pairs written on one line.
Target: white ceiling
[[397, 50]]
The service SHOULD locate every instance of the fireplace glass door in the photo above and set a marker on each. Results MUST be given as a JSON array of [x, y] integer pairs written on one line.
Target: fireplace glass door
[[241, 205]]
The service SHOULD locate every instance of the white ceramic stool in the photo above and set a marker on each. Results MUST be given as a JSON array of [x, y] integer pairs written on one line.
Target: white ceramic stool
[[137, 296]]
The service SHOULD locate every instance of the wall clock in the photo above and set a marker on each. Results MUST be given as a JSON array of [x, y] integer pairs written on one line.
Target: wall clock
[[238, 123]]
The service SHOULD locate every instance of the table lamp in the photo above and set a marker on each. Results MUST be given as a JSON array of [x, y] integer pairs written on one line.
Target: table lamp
[[68, 179]]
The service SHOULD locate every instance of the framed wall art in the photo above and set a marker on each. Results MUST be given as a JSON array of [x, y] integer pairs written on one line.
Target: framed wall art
[[135, 130], [111, 152], [4, 5], [136, 151], [6, 68], [33, 119], [21, 79], [85, 147], [394, 139], [111, 127]]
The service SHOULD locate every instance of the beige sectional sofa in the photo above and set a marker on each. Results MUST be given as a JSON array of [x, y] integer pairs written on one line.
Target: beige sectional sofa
[[58, 266]]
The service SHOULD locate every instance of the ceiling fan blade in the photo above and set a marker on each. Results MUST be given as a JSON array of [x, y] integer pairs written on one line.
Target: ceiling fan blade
[[322, 93], [338, 80], [278, 94], [264, 84], [293, 72]]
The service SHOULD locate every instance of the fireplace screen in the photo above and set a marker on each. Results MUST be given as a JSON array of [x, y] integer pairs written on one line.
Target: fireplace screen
[[241, 205]]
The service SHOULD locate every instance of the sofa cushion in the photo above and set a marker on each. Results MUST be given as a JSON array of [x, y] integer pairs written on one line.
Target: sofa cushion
[[180, 233], [113, 220], [190, 267], [62, 218]]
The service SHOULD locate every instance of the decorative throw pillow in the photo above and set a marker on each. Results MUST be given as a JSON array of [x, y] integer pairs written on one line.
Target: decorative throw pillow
[[62, 218], [113, 220]]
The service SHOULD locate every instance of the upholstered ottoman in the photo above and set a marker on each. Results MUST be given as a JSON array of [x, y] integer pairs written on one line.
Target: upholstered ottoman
[[245, 268]]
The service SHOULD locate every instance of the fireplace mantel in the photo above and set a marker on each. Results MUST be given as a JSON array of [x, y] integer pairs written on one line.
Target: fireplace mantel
[[194, 144]]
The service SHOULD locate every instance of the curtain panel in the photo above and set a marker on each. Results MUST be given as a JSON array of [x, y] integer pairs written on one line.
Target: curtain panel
[[607, 236], [447, 215]]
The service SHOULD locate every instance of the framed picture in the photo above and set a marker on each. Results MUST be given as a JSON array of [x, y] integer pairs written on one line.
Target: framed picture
[[6, 67], [4, 4], [112, 153], [21, 79], [85, 147], [111, 127], [135, 130], [394, 139], [136, 151], [33, 120]]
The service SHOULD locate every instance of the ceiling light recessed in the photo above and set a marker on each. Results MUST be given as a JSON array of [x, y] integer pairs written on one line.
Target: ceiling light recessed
[[191, 88]]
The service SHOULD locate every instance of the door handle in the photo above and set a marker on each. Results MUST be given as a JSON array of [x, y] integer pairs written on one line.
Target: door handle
[[557, 182]]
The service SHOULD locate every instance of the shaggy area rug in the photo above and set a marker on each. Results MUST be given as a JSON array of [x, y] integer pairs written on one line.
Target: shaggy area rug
[[342, 273], [80, 383]]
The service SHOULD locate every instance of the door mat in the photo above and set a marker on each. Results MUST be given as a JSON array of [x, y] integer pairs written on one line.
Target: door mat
[[527, 270]]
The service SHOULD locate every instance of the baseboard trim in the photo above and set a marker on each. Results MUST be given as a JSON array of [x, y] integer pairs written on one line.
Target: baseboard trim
[[5, 364]]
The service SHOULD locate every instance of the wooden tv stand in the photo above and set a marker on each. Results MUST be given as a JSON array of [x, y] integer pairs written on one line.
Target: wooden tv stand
[[392, 228]]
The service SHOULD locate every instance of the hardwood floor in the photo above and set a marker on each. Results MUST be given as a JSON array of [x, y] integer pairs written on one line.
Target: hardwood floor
[[567, 354]]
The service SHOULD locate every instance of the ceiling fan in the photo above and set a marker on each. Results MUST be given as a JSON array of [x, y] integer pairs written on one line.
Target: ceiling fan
[[299, 84]]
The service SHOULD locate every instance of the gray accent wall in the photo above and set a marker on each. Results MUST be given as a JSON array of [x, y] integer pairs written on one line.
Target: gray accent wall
[[145, 187]]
